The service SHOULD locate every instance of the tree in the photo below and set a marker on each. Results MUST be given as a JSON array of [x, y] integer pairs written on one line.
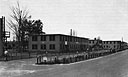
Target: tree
[[22, 26], [18, 15], [33, 27]]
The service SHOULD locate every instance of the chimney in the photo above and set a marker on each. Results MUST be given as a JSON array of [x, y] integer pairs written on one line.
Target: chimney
[[71, 32]]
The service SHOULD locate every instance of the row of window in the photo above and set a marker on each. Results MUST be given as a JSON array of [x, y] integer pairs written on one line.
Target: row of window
[[69, 46], [43, 46], [92, 42], [43, 38], [72, 39], [52, 46], [110, 46], [108, 42], [62, 38], [105, 42]]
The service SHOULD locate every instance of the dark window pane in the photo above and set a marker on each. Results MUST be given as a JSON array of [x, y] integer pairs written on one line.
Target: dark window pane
[[60, 38], [52, 46], [52, 38], [61, 46], [43, 46], [43, 38], [34, 38], [34, 46]]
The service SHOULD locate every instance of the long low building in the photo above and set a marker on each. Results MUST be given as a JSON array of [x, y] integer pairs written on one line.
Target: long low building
[[113, 44], [67, 43], [57, 43]]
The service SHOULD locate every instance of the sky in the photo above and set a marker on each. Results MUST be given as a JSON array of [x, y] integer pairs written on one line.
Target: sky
[[107, 19]]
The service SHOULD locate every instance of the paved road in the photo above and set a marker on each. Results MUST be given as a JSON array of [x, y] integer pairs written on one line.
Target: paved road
[[115, 65]]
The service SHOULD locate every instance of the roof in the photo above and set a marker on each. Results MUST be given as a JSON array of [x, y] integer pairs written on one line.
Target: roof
[[59, 35]]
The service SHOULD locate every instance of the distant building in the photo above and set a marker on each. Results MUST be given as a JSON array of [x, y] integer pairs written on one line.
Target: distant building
[[112, 44], [67, 43], [95, 44], [57, 43], [99, 44], [95, 41], [124, 45]]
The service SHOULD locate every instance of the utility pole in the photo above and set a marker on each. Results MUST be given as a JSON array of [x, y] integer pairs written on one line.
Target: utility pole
[[3, 36]]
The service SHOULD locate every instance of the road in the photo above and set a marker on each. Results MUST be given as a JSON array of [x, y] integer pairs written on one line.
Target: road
[[115, 65]]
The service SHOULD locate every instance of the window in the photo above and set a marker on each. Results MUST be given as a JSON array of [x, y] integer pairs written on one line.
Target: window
[[43, 46], [43, 38], [63, 38], [114, 42], [104, 42], [60, 46], [52, 46], [75, 39], [111, 42], [52, 38], [60, 38], [66, 38], [34, 38], [34, 46]]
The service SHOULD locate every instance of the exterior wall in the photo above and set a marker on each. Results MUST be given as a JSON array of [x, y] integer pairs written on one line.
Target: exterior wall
[[93, 42], [73, 43], [33, 42], [67, 43], [124, 45], [111, 44], [47, 43], [107, 44]]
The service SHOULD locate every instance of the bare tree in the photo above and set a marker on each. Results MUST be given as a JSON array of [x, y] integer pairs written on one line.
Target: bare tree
[[18, 16]]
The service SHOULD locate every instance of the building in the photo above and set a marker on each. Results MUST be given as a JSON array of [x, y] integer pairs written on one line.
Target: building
[[112, 45], [99, 44], [95, 44], [57, 43], [67, 43], [124, 45]]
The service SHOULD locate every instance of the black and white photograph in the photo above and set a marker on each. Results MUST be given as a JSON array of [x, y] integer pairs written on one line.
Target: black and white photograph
[[63, 38]]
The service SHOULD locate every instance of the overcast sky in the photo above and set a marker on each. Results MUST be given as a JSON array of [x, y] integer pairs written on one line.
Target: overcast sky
[[90, 18]]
